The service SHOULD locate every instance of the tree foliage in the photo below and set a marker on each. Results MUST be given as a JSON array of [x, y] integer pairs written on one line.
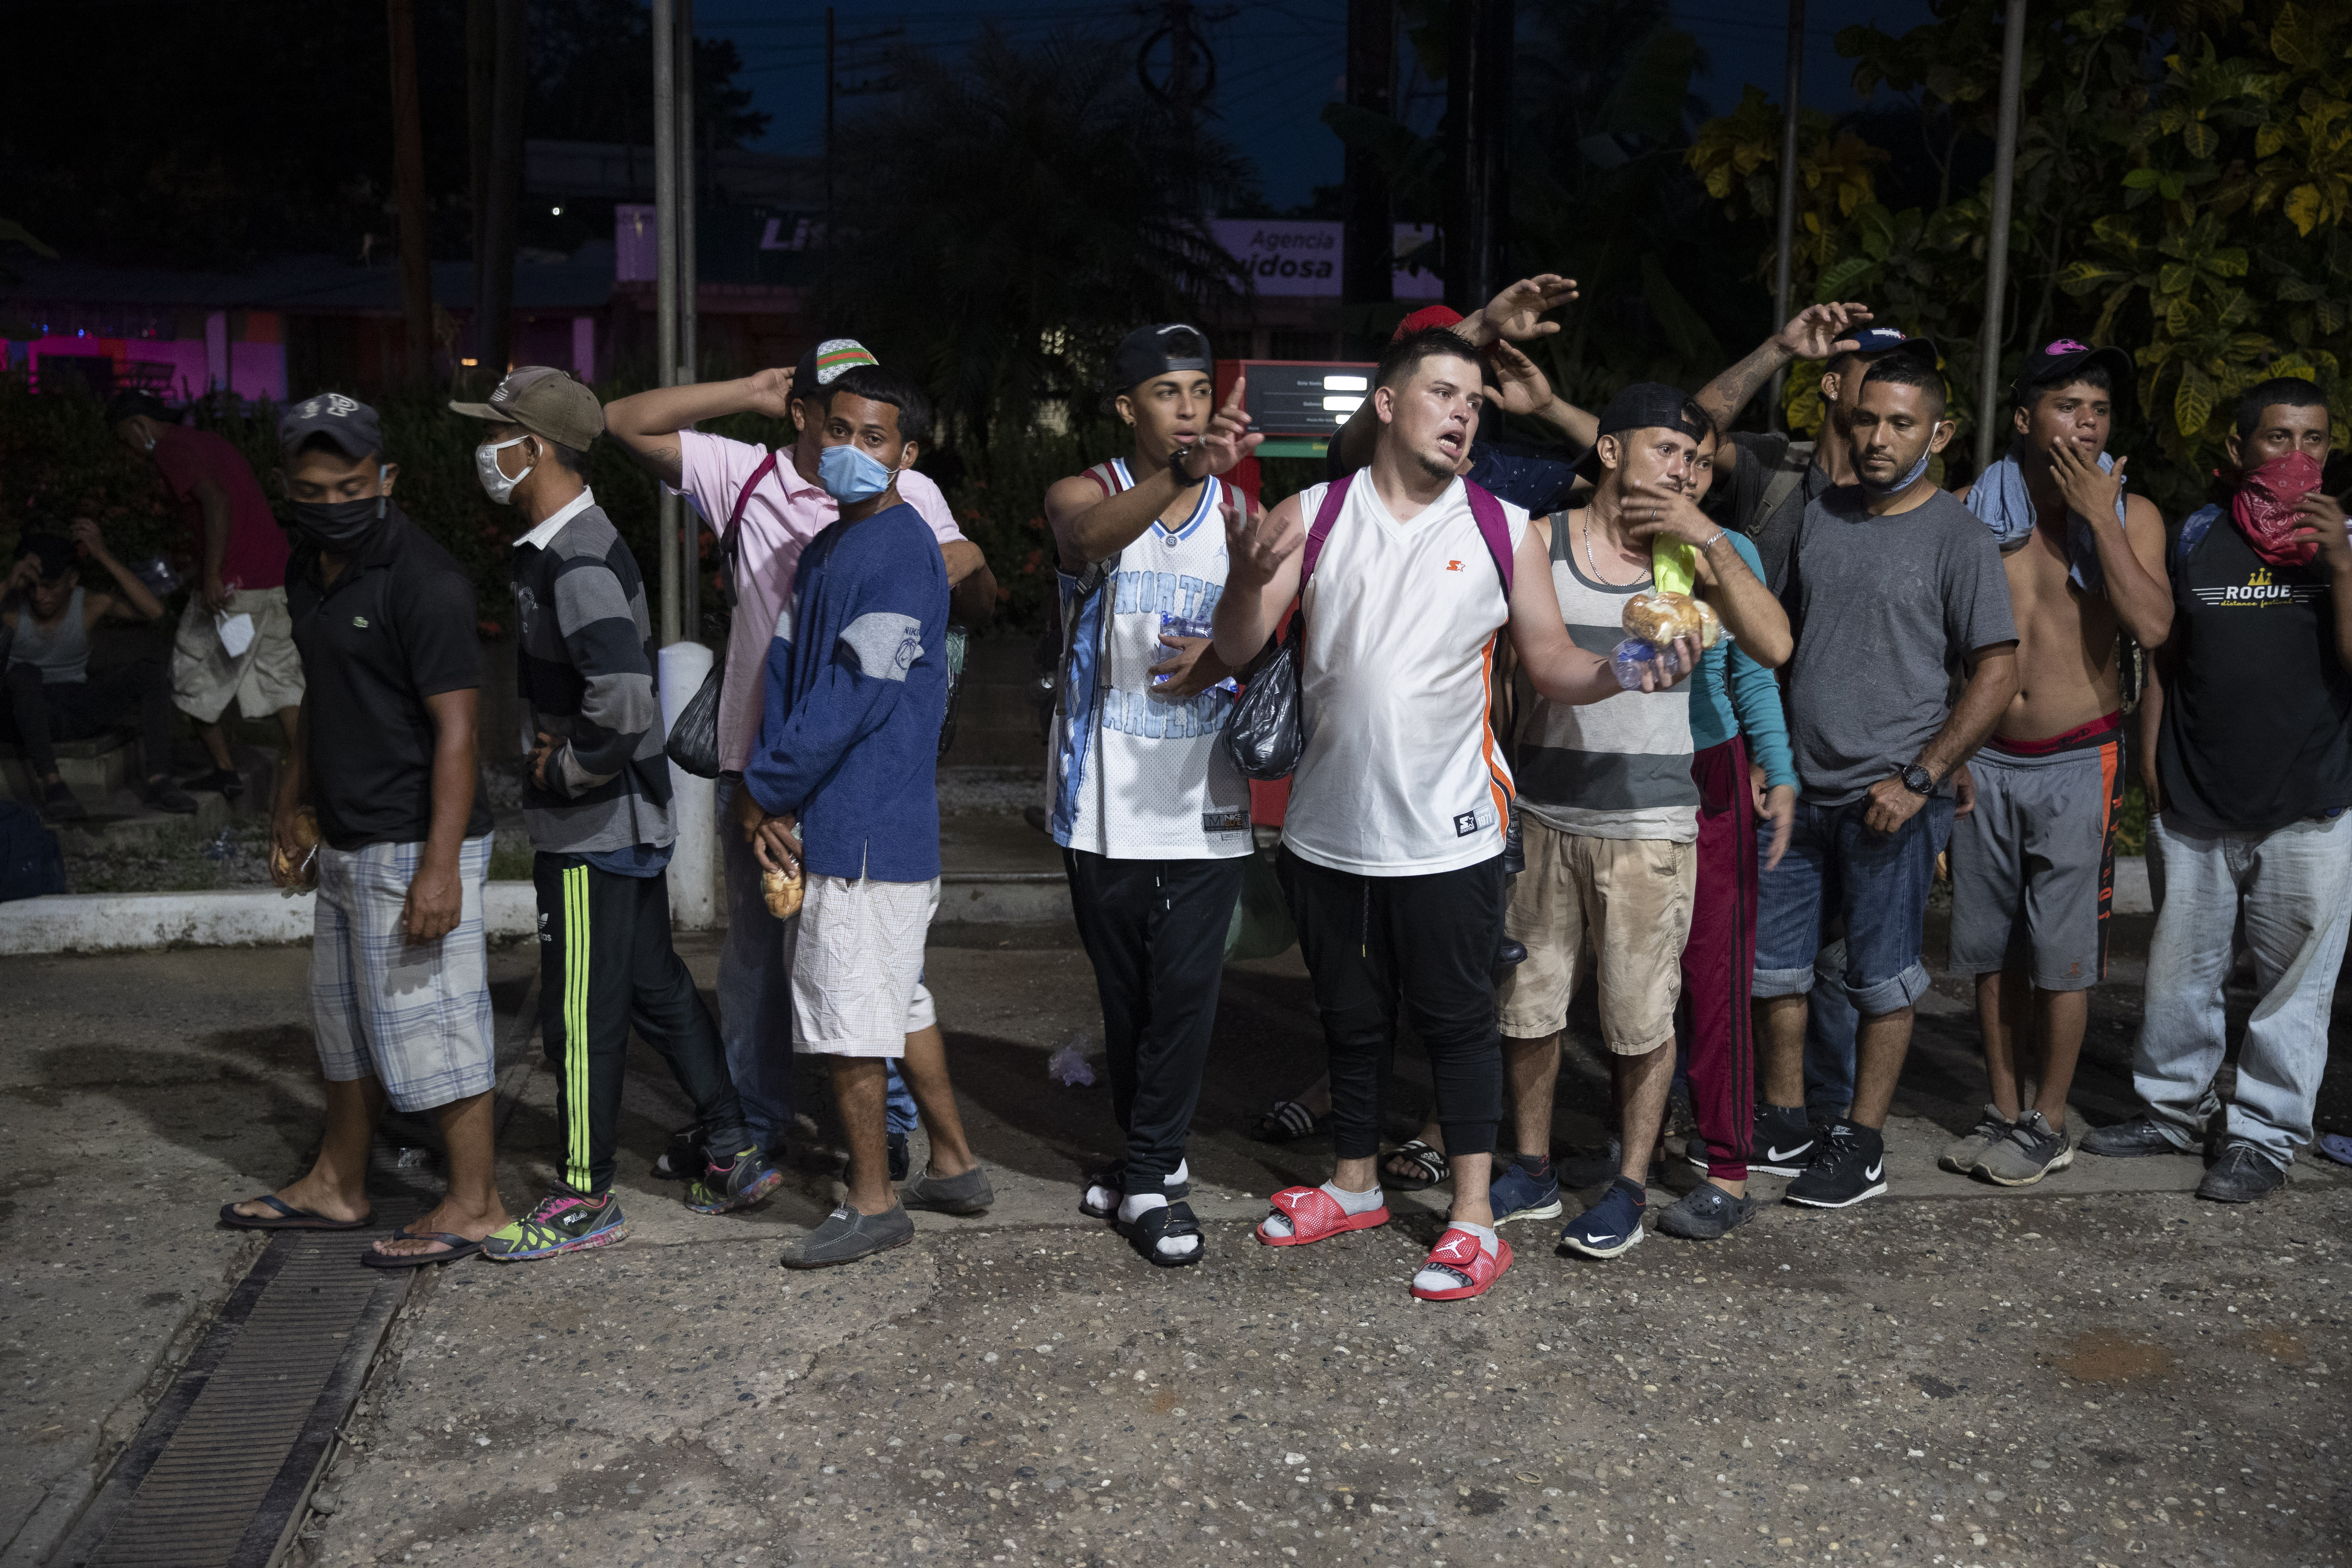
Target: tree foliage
[[2183, 170]]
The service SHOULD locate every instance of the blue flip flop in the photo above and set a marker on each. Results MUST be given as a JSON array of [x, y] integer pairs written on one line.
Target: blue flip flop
[[459, 1250], [287, 1217]]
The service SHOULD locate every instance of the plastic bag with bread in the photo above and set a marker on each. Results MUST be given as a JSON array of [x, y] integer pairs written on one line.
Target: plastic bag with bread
[[298, 872], [783, 890]]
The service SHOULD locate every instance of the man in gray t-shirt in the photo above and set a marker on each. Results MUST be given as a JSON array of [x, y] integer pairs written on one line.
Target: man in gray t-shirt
[[1894, 593]]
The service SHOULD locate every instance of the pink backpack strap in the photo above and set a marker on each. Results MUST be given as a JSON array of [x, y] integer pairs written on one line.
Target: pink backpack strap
[[1493, 528], [1334, 497]]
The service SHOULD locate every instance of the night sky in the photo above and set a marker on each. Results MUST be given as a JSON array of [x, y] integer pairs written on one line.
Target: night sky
[[1279, 62]]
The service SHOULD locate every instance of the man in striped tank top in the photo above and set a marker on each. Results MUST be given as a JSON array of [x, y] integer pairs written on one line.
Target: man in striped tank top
[[1152, 816], [1393, 847]]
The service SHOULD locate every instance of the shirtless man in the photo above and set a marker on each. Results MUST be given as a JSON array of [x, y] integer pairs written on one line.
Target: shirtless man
[[2033, 858]]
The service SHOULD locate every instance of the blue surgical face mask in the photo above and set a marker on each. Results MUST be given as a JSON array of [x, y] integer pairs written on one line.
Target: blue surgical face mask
[[850, 475]]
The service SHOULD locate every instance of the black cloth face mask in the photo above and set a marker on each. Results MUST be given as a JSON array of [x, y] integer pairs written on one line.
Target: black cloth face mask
[[338, 525]]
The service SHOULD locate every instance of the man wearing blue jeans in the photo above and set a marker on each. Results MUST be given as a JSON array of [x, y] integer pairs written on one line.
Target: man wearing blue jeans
[[1892, 588], [2247, 756]]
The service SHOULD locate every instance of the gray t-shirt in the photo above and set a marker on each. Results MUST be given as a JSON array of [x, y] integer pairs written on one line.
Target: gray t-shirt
[[1885, 612]]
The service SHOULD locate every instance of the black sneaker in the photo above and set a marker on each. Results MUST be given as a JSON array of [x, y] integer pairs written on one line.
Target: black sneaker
[[60, 804], [899, 1157], [685, 1157], [1851, 1166], [165, 796], [1784, 1141], [2241, 1174], [2133, 1140]]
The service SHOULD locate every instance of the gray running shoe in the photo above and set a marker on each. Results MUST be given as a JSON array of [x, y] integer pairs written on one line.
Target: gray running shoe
[[2130, 1140], [847, 1235], [1706, 1213], [2030, 1152], [1962, 1156], [968, 1193], [2241, 1174]]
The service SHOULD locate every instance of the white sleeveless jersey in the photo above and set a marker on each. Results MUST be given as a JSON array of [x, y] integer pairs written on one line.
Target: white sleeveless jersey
[[1401, 775], [1131, 774]]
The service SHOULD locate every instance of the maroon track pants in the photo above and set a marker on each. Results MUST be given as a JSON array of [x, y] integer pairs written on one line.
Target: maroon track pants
[[1720, 961]]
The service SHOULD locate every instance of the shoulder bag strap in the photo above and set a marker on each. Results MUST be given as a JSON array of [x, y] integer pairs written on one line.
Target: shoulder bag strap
[[730, 540], [1493, 528]]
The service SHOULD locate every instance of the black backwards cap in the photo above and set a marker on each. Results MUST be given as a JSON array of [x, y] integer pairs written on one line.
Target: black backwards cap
[[1157, 349], [1645, 405]]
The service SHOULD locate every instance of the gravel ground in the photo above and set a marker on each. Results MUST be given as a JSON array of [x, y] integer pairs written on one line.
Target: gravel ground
[[177, 860]]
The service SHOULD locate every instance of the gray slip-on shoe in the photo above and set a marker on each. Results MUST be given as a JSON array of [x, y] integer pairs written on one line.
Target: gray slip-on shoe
[[1706, 1213], [1960, 1157], [847, 1235], [969, 1193], [2031, 1151]]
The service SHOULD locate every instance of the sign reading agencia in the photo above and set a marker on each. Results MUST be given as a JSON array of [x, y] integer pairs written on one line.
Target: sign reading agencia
[[1301, 256]]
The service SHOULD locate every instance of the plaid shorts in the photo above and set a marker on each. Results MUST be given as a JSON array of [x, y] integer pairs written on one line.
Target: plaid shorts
[[414, 1016]]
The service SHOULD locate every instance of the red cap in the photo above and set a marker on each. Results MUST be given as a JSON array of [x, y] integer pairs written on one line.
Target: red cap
[[1427, 316]]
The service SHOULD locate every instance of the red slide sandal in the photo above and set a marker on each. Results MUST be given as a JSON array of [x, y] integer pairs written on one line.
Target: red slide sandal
[[1314, 1215], [1457, 1253]]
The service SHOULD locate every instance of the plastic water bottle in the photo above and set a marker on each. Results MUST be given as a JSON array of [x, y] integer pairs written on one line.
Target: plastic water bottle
[[220, 848], [1068, 1066]]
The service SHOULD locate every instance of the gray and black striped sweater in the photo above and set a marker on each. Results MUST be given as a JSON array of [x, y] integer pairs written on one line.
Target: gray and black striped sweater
[[586, 659]]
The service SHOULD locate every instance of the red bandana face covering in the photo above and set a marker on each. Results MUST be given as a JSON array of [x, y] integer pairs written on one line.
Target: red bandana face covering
[[2264, 508]]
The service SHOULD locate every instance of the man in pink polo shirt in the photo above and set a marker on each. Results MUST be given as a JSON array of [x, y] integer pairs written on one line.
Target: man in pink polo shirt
[[778, 507]]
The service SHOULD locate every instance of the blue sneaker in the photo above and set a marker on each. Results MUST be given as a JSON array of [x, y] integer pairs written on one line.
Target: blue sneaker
[[1609, 1226], [1520, 1193]]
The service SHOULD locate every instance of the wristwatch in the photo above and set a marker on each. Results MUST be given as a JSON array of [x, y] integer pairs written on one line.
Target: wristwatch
[[1917, 780], [1180, 465]]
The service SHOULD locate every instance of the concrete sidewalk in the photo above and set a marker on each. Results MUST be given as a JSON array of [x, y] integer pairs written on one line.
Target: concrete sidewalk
[[1022, 1387]]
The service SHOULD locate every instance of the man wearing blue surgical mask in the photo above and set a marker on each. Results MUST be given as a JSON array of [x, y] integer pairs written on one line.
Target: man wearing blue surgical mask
[[597, 803]]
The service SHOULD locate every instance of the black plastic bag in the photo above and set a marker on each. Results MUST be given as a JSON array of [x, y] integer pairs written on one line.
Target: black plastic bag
[[1264, 735], [693, 738]]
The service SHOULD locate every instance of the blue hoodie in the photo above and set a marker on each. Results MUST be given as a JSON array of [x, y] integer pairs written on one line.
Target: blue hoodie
[[856, 691]]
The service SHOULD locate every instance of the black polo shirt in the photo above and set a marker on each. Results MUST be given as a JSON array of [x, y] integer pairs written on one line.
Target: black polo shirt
[[397, 628]]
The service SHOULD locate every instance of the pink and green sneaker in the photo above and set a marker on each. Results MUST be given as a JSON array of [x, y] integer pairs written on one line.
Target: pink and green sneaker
[[564, 1221]]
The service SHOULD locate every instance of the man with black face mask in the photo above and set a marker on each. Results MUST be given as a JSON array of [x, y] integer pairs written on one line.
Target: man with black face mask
[[401, 843]]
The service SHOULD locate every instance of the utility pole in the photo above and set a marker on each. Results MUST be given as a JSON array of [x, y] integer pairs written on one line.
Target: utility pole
[[828, 156], [481, 71], [408, 191], [494, 259], [2004, 170], [689, 288], [1478, 137], [1186, 89], [665, 289], [1367, 264], [1783, 267]]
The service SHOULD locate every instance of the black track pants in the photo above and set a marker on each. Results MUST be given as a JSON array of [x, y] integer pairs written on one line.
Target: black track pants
[[1429, 940], [1155, 931], [605, 963]]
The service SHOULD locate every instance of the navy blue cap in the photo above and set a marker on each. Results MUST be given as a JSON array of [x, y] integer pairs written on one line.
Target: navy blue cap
[[1887, 340]]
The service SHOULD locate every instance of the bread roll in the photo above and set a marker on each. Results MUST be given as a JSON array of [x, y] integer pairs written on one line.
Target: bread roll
[[783, 892], [1659, 619], [1710, 627], [299, 871]]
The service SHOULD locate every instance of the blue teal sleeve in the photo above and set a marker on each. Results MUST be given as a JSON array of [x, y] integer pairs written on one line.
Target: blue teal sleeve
[[1756, 698]]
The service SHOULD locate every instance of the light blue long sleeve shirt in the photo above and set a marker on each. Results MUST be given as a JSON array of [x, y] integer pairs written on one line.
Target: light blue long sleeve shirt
[[1734, 695]]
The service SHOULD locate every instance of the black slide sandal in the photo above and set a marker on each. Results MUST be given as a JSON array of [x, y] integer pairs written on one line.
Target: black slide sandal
[[1431, 1163], [1144, 1232]]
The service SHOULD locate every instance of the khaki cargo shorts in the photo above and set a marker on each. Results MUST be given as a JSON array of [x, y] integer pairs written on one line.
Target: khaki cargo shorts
[[1617, 906], [206, 677]]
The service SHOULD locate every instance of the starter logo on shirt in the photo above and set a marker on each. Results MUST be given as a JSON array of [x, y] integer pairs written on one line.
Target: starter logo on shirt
[[1453, 566], [1465, 823]]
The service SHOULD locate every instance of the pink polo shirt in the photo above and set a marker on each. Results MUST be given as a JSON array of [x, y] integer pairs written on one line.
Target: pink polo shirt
[[784, 514]]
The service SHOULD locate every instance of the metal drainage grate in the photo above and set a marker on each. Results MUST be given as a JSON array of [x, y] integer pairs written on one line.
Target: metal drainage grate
[[218, 1475]]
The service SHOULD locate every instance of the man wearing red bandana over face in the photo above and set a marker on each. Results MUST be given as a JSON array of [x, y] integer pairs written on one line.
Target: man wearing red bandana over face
[[2247, 755]]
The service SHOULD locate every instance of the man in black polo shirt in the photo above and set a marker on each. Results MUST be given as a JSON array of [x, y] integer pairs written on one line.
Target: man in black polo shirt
[[399, 985]]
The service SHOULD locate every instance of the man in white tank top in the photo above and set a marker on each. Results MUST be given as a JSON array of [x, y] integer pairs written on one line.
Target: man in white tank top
[[1392, 845], [1152, 816]]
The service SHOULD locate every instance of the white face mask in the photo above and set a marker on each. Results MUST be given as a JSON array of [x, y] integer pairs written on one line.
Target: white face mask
[[495, 484]]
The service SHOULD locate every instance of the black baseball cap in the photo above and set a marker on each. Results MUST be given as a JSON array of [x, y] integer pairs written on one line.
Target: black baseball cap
[[130, 403], [1157, 349], [1645, 405], [2063, 361], [54, 551], [1875, 341], [350, 423]]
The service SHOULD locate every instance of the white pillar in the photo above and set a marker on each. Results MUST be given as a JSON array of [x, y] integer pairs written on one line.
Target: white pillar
[[216, 351], [694, 802]]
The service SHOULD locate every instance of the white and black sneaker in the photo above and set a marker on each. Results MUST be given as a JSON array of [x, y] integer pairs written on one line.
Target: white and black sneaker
[[1851, 1166], [1785, 1141]]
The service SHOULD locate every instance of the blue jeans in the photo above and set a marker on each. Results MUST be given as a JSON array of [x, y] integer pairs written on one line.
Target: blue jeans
[[755, 995], [1878, 882], [1830, 1024], [2293, 887]]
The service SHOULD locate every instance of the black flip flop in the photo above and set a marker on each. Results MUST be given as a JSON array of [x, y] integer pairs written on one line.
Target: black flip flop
[[287, 1217], [1432, 1163], [1286, 1122], [459, 1250], [1145, 1231]]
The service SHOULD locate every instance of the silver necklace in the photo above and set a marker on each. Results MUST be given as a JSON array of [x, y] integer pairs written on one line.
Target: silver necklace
[[1591, 565]]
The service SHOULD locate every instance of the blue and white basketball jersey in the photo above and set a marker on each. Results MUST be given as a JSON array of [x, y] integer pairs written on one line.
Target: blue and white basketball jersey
[[1131, 774]]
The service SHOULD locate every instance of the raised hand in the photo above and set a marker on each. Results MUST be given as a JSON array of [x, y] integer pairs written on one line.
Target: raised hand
[[2324, 525], [1817, 332], [2090, 491], [85, 535], [1256, 547], [1521, 388], [769, 392], [1517, 314], [1228, 439]]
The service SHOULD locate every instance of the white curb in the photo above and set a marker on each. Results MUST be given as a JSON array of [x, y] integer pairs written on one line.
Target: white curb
[[239, 917]]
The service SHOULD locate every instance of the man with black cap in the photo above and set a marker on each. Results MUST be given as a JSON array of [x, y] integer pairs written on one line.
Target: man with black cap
[[52, 696], [233, 644], [766, 506], [1609, 806], [2033, 858], [1152, 816], [596, 800], [382, 810], [1894, 590]]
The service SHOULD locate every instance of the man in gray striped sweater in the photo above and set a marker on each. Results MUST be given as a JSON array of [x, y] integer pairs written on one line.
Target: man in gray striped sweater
[[597, 802]]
